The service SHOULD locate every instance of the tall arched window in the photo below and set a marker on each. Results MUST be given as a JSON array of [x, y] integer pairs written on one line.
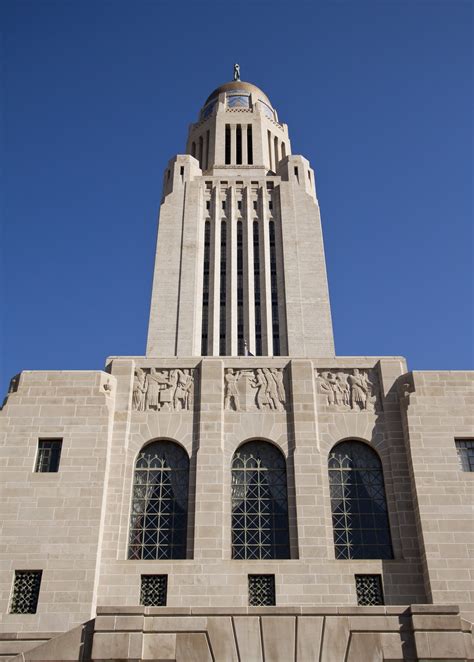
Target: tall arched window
[[158, 523], [358, 503], [259, 503]]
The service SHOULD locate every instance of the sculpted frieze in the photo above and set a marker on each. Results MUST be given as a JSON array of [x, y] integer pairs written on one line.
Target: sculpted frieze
[[169, 389], [349, 389], [259, 389]]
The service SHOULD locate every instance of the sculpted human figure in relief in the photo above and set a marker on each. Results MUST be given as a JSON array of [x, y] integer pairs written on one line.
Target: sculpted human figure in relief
[[348, 391], [231, 393], [162, 390]]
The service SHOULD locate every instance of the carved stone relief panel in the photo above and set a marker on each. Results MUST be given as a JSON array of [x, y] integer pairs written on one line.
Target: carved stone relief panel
[[169, 389], [347, 389], [259, 389]]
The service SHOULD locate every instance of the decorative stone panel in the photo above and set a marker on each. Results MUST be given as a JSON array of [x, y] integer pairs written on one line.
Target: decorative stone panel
[[169, 389], [348, 389], [255, 389]]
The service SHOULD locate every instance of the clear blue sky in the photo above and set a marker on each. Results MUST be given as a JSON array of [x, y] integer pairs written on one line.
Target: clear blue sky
[[97, 96]]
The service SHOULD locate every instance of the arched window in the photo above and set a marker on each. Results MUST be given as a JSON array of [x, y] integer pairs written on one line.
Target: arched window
[[158, 523], [259, 503], [358, 503]]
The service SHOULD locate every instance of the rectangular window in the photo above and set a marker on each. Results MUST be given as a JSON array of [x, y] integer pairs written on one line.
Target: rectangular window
[[249, 145], [154, 590], [369, 590], [239, 204], [227, 144], [255, 205], [465, 450], [261, 590], [47, 458], [208, 204], [238, 151], [223, 205], [25, 594]]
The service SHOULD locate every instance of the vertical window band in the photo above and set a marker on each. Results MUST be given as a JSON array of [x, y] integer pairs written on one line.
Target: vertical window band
[[240, 290], [223, 291], [274, 291], [256, 275], [205, 289]]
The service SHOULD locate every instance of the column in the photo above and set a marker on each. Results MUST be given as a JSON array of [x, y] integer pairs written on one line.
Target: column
[[249, 293], [233, 144], [244, 145]]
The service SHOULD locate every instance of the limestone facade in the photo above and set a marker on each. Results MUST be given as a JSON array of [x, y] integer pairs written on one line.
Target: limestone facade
[[198, 387]]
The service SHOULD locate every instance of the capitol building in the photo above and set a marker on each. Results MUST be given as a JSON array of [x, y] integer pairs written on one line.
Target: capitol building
[[239, 493]]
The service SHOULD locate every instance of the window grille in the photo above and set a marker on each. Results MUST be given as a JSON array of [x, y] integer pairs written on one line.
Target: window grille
[[154, 590], [358, 503], [259, 503], [465, 450], [49, 453], [26, 586], [262, 590], [369, 590], [159, 518]]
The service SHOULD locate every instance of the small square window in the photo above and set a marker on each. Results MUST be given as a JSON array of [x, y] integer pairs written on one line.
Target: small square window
[[49, 453], [154, 590], [26, 587], [369, 590], [465, 450], [262, 590]]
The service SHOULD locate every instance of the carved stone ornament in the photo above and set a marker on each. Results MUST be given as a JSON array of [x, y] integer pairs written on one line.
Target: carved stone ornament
[[260, 389], [349, 389], [170, 389]]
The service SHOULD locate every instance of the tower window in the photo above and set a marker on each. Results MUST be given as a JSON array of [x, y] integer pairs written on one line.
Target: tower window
[[256, 276], [208, 135], [240, 290], [269, 135], [239, 205], [223, 205], [283, 150], [238, 137], [369, 590], [255, 205], [249, 145], [261, 590], [48, 455], [208, 204], [227, 144], [274, 290], [193, 149], [153, 590], [297, 175], [25, 594], [223, 291], [465, 450], [205, 288]]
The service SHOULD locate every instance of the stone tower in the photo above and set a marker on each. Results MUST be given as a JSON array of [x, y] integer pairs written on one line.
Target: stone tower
[[239, 493], [240, 260]]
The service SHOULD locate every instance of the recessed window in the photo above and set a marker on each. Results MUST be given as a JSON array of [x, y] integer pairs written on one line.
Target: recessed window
[[369, 590], [223, 204], [259, 501], [359, 507], [159, 516], [208, 204], [465, 450], [25, 594], [270, 205], [262, 590], [153, 590], [255, 205], [239, 204], [49, 453]]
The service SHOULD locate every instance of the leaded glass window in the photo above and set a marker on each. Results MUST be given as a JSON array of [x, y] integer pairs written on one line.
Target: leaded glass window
[[465, 450], [153, 590], [262, 590], [26, 586], [159, 518], [49, 453], [369, 590], [358, 503], [259, 503]]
